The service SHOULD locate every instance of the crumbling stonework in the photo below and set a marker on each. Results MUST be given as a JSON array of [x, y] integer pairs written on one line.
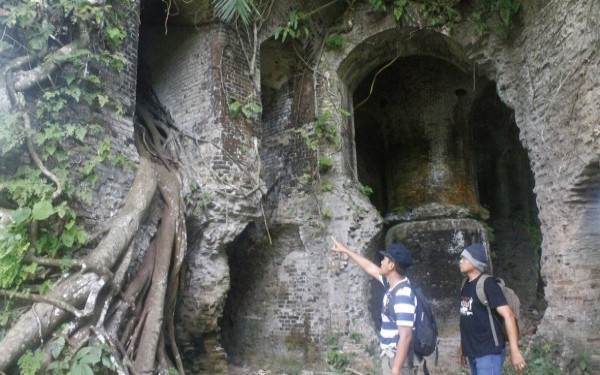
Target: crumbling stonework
[[550, 91], [221, 174], [549, 76], [260, 279]]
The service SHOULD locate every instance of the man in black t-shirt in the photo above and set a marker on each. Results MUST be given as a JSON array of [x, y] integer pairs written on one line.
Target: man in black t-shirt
[[477, 341]]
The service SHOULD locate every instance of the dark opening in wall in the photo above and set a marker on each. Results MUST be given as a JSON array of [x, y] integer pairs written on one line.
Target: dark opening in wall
[[447, 169], [411, 135], [243, 268], [270, 314], [505, 183]]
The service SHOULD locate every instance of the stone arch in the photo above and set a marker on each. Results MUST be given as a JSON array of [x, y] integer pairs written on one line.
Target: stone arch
[[387, 45], [457, 218], [383, 43]]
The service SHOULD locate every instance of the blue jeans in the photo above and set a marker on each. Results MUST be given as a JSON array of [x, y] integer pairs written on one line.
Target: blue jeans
[[490, 364]]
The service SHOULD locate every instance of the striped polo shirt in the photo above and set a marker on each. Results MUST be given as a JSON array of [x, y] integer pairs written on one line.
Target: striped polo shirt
[[401, 307]]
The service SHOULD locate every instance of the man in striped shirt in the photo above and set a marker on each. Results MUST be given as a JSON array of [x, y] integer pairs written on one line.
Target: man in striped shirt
[[399, 304]]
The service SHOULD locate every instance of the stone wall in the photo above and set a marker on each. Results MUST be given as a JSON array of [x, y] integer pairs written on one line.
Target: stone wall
[[549, 76], [196, 74], [289, 295], [557, 118]]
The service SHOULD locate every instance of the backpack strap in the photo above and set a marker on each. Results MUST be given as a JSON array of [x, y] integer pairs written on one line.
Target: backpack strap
[[390, 294], [479, 288]]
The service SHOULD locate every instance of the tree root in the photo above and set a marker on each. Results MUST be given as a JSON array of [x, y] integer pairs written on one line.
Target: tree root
[[76, 288], [48, 300], [155, 302]]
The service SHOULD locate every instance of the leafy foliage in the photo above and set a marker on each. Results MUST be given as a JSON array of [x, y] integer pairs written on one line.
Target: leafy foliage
[[445, 13], [295, 28], [30, 362], [13, 249], [506, 10], [326, 187], [335, 41], [246, 109], [325, 164], [88, 360], [327, 130], [56, 133], [365, 190], [230, 10], [336, 357]]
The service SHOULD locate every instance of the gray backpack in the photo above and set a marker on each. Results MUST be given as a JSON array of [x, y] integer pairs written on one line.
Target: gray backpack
[[511, 298]]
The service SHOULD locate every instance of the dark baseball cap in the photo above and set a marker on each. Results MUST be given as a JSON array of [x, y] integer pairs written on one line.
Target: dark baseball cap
[[399, 254]]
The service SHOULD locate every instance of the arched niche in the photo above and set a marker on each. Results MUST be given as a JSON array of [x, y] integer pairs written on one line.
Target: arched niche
[[421, 121]]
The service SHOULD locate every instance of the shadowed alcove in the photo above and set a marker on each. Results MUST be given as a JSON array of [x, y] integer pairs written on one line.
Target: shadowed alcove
[[442, 155]]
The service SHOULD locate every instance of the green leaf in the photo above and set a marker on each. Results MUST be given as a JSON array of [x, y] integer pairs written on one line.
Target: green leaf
[[235, 108], [57, 347], [61, 209], [82, 352], [93, 78], [42, 210], [344, 112], [67, 238], [30, 362], [74, 92], [104, 149], [115, 34], [335, 41], [89, 97], [254, 107], [76, 369], [45, 287], [21, 215], [69, 78], [326, 187], [92, 358], [230, 10], [102, 99], [82, 237], [106, 362]]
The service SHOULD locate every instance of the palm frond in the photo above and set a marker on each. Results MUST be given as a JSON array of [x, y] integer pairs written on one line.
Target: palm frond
[[229, 10]]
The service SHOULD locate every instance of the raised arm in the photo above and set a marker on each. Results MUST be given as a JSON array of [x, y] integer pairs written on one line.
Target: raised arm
[[369, 267], [510, 323]]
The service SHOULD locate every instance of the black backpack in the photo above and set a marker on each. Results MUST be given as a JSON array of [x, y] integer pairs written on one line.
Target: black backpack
[[425, 335]]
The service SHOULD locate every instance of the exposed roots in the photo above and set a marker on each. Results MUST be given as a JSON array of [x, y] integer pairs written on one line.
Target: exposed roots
[[132, 314], [43, 319]]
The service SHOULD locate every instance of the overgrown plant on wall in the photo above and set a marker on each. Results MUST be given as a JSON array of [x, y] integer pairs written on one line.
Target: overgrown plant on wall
[[56, 57], [247, 17]]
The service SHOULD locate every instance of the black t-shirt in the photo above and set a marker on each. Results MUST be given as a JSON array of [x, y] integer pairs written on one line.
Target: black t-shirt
[[475, 330]]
